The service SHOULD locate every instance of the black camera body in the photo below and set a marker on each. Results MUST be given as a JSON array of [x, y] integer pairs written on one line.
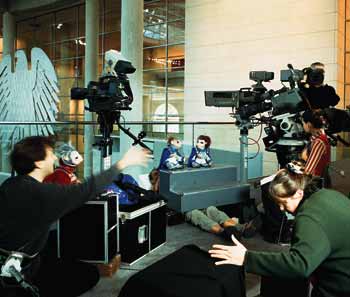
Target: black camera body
[[248, 102], [110, 93], [284, 129]]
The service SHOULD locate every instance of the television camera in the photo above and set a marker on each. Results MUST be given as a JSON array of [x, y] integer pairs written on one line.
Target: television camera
[[282, 108], [112, 91], [108, 97]]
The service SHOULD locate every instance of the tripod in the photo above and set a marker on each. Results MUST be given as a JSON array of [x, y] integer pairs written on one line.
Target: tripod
[[243, 154], [106, 120]]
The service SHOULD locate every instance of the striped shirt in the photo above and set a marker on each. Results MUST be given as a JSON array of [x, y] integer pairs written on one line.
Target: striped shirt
[[320, 155]]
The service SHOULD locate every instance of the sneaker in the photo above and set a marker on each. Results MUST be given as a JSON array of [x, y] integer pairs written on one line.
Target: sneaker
[[229, 231], [249, 230], [252, 227]]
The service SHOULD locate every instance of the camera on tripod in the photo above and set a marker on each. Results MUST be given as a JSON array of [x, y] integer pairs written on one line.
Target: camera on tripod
[[108, 97], [243, 96], [283, 129], [112, 91], [248, 102]]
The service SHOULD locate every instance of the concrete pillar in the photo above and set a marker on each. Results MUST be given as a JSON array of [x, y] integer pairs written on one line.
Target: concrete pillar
[[9, 33], [91, 62], [132, 49]]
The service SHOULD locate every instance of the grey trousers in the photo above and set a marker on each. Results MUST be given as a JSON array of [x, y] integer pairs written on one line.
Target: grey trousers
[[206, 218]]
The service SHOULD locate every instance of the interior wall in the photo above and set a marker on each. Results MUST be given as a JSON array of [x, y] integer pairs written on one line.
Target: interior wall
[[226, 39]]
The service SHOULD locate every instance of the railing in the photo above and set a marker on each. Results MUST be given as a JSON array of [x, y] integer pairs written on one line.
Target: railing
[[224, 135]]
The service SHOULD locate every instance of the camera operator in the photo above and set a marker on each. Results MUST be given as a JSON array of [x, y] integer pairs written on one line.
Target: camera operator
[[318, 94], [28, 207], [320, 244]]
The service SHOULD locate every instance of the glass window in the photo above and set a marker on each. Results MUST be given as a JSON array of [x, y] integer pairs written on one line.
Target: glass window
[[155, 34], [67, 49], [111, 41], [25, 26], [81, 45], [66, 24], [65, 85], [112, 20], [25, 40], [154, 58], [176, 31], [155, 12], [176, 58], [61, 35], [79, 69], [65, 68], [176, 10], [164, 64], [45, 28], [81, 21]]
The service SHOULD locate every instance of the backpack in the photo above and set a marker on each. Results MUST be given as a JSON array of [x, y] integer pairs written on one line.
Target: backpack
[[126, 196]]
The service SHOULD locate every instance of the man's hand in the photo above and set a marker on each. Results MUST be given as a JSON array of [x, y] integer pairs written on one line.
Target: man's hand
[[230, 254], [134, 156]]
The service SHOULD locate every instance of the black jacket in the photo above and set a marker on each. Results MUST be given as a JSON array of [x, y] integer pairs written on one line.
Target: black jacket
[[321, 97]]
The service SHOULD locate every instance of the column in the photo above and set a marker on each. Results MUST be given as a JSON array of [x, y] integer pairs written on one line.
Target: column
[[8, 33], [9, 39], [91, 62], [132, 49]]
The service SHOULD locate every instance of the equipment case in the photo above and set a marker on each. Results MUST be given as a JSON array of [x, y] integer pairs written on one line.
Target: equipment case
[[91, 232], [142, 229]]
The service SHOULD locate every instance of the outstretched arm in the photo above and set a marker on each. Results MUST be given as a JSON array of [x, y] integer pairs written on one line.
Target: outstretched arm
[[57, 200], [309, 250]]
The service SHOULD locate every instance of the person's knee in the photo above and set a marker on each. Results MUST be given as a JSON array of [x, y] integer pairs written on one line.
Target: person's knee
[[212, 211], [194, 216]]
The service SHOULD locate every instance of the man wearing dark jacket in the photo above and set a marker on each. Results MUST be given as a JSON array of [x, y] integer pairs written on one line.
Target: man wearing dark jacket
[[28, 208], [318, 94]]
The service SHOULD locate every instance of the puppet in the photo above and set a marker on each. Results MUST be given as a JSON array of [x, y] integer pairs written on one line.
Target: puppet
[[200, 154], [171, 157]]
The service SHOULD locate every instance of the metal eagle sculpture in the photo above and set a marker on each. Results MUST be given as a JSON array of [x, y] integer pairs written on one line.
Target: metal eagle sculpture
[[27, 95]]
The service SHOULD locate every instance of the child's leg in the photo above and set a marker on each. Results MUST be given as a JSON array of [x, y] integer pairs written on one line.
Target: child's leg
[[199, 218]]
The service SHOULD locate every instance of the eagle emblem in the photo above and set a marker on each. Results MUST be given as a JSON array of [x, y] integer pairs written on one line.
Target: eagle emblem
[[27, 95]]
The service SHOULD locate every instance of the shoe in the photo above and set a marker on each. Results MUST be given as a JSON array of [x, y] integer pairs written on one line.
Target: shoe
[[229, 231], [252, 227], [249, 230]]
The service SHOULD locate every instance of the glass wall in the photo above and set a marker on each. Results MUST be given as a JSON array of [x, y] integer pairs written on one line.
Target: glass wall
[[61, 34], [164, 63]]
